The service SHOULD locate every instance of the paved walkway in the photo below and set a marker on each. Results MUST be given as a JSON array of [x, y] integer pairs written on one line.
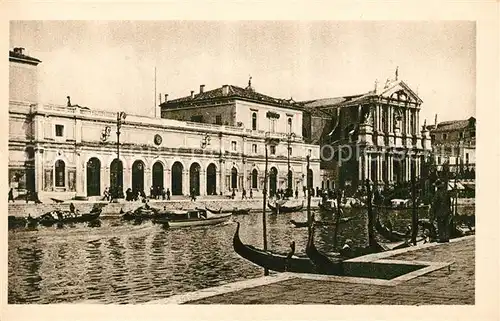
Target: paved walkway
[[450, 285]]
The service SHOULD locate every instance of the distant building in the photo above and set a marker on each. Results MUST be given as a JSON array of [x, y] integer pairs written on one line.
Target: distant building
[[454, 145], [374, 135], [63, 151]]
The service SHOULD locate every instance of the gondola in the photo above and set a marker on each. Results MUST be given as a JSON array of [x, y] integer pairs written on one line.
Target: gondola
[[286, 209], [234, 211], [322, 263], [392, 236], [269, 260], [141, 213], [320, 223], [55, 200], [48, 219]]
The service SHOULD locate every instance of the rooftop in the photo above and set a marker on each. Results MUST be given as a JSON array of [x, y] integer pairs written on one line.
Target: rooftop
[[17, 54], [453, 125], [225, 92]]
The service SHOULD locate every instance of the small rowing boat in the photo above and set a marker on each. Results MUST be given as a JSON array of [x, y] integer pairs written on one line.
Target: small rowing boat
[[191, 218], [285, 209]]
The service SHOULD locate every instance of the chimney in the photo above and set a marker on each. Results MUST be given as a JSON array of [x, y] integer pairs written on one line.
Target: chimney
[[159, 98], [202, 89], [69, 101], [192, 94], [225, 90], [166, 97]]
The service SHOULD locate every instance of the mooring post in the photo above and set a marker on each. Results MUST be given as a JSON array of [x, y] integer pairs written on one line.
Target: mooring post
[[308, 198], [371, 238], [264, 228], [414, 214]]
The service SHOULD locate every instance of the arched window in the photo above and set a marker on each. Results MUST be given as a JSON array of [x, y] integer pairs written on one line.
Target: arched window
[[60, 173], [254, 121], [289, 124]]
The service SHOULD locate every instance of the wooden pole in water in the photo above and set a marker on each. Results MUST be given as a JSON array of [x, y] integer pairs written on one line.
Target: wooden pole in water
[[414, 214], [337, 219], [308, 197], [371, 238], [264, 228]]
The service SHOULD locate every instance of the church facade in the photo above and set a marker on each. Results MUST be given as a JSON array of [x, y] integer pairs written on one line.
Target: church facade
[[64, 151], [374, 135]]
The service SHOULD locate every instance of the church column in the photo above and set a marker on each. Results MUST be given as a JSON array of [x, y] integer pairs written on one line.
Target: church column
[[408, 167], [368, 166], [361, 168], [390, 164], [81, 175], [379, 168], [39, 172], [390, 117], [379, 118], [222, 177]]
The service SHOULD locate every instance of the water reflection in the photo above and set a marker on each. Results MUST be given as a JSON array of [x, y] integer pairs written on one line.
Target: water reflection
[[121, 262]]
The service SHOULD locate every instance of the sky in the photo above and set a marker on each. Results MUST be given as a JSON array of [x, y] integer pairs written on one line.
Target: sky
[[110, 65]]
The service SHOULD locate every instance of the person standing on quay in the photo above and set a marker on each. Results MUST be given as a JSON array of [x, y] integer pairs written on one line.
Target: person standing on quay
[[168, 194], [441, 211], [244, 194], [11, 195], [296, 192], [251, 194]]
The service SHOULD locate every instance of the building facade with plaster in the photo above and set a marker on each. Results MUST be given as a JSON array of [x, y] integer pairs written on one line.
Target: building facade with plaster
[[68, 150]]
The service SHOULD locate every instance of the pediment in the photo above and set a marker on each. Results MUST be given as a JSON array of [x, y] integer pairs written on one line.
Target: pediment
[[402, 92]]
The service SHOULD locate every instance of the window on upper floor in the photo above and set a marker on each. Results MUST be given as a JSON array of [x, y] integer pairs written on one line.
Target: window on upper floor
[[445, 136], [254, 148], [289, 151], [272, 125], [473, 133], [309, 152], [439, 160], [59, 130], [218, 120], [272, 149], [60, 172], [467, 158], [461, 135], [290, 124], [254, 121], [233, 146]]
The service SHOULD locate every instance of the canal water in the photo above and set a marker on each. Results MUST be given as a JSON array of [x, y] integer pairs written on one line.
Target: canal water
[[120, 262]]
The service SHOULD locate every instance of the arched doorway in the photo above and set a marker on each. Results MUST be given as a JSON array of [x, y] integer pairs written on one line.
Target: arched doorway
[[234, 178], [194, 178], [310, 178], [158, 175], [138, 176], [211, 180], [177, 169], [273, 181], [93, 177], [254, 178], [116, 177]]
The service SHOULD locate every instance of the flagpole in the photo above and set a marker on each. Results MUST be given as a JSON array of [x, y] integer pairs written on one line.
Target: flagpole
[[154, 105]]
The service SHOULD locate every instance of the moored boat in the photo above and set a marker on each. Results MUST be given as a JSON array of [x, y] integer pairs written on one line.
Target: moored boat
[[285, 209], [387, 233], [191, 218], [299, 224], [322, 263], [269, 260], [234, 211], [65, 217]]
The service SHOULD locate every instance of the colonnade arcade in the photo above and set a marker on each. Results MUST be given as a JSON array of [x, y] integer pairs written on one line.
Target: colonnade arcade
[[389, 168], [181, 177]]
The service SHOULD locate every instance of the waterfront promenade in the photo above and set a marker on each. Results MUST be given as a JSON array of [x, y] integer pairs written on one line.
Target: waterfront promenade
[[451, 283]]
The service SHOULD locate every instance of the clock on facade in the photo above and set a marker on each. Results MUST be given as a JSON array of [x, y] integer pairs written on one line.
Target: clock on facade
[[157, 139]]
